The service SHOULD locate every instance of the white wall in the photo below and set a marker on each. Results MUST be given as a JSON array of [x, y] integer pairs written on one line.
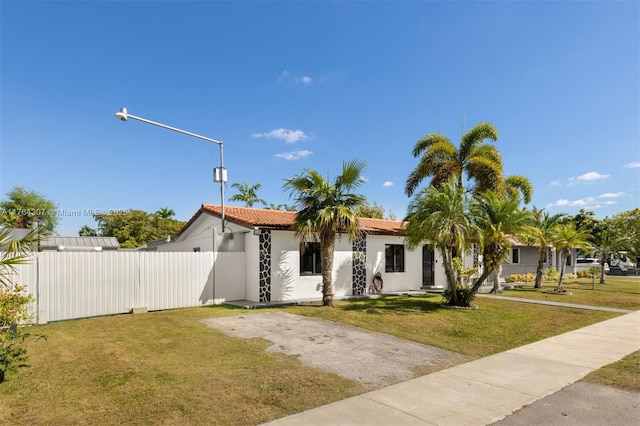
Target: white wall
[[252, 266], [286, 281], [411, 279]]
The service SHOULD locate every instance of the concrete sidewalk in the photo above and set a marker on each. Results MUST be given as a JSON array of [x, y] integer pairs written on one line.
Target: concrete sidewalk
[[486, 390]]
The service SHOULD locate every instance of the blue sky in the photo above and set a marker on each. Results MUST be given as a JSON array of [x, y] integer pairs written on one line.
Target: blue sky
[[294, 85]]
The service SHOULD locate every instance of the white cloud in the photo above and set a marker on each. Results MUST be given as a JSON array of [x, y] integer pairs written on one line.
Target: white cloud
[[283, 76], [287, 76], [555, 183], [287, 135], [611, 195], [387, 184], [364, 178], [293, 155], [632, 165], [585, 203], [591, 176]]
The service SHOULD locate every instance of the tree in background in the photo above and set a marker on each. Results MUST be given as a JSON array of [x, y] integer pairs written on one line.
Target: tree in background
[[286, 207], [247, 193], [136, 227], [22, 207], [607, 245], [627, 224], [373, 211], [87, 231], [565, 238], [162, 223], [325, 209], [542, 225]]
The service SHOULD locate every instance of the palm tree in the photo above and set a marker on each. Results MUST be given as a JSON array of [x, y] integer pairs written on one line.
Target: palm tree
[[440, 159], [325, 209], [247, 194], [14, 252], [165, 213], [565, 238], [542, 225], [608, 244], [497, 220], [438, 216]]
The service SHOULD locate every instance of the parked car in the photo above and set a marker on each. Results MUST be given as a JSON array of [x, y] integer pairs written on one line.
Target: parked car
[[623, 262], [589, 262]]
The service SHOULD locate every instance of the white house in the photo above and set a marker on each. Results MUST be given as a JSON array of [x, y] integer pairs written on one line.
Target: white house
[[277, 266]]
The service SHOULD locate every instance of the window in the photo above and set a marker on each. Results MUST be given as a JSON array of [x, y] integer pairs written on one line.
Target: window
[[515, 255], [310, 259], [394, 258], [196, 249]]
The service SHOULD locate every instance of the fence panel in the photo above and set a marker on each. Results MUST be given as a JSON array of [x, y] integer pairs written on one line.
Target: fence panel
[[230, 277], [86, 284], [175, 280]]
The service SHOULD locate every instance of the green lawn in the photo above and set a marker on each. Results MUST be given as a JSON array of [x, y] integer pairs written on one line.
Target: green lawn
[[618, 292], [624, 374], [168, 368]]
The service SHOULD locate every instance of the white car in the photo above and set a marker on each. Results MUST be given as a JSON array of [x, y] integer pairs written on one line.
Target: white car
[[589, 262]]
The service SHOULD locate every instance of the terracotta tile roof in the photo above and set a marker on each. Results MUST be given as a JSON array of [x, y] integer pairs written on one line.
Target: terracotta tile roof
[[282, 219]]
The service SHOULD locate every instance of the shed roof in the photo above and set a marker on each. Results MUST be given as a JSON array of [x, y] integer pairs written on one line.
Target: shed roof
[[80, 242]]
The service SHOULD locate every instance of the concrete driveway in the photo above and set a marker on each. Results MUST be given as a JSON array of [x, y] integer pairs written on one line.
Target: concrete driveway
[[373, 359]]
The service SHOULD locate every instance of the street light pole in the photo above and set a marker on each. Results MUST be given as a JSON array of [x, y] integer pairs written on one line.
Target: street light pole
[[219, 173]]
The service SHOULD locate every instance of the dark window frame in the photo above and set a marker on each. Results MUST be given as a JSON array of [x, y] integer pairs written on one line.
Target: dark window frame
[[394, 256], [310, 259]]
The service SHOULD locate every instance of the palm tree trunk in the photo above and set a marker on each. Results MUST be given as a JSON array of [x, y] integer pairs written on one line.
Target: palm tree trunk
[[564, 262], [603, 261], [497, 288], [447, 256], [326, 253], [540, 268]]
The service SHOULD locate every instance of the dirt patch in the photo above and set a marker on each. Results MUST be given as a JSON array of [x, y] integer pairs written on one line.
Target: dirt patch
[[373, 359]]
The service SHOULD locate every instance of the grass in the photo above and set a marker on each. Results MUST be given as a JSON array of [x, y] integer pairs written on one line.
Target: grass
[[618, 292], [624, 374], [168, 368]]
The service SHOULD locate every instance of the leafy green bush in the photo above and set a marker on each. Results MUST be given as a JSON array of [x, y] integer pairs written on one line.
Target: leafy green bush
[[14, 305], [550, 274], [14, 312], [464, 296]]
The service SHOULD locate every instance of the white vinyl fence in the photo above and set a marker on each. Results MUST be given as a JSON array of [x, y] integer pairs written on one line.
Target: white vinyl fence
[[68, 285]]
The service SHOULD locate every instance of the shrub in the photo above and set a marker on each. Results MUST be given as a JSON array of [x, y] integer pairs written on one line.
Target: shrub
[[14, 312], [550, 274], [465, 296]]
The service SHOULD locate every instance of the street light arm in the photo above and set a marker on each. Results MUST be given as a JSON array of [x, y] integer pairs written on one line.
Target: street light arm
[[220, 172], [124, 115]]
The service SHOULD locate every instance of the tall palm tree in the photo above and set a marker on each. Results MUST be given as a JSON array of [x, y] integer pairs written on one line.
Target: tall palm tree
[[440, 159], [565, 238], [609, 244], [438, 216], [248, 194], [542, 225], [326, 208], [497, 220]]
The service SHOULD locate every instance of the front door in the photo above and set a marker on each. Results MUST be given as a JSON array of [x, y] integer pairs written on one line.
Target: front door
[[427, 267]]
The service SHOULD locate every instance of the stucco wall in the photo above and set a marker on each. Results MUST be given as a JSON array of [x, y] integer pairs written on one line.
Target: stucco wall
[[286, 281], [411, 279]]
